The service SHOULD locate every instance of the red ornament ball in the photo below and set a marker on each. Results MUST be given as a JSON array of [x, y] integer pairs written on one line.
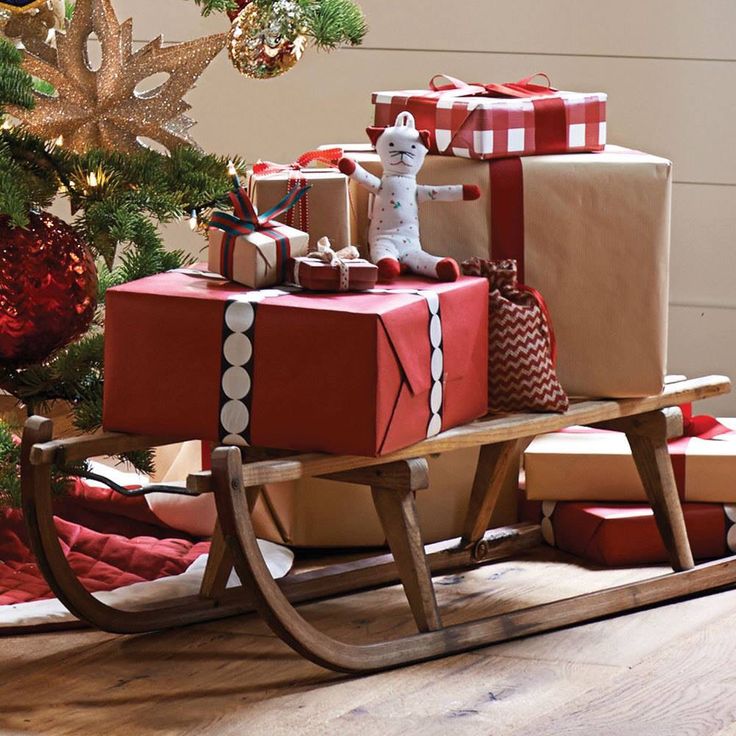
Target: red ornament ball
[[48, 289]]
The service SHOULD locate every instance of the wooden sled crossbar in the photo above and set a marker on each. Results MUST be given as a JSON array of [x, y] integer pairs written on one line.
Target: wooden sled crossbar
[[394, 479]]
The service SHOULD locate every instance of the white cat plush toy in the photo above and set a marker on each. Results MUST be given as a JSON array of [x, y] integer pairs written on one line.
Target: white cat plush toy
[[393, 236]]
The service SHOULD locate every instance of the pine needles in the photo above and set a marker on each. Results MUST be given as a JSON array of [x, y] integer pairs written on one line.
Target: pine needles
[[16, 85], [335, 22]]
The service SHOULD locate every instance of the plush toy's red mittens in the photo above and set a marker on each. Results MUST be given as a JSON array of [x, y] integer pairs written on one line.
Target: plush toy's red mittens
[[470, 191], [347, 166]]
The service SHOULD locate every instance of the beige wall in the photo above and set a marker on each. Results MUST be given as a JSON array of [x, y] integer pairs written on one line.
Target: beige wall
[[669, 67]]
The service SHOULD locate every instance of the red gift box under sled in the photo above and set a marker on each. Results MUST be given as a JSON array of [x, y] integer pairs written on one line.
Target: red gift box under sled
[[188, 356], [626, 534]]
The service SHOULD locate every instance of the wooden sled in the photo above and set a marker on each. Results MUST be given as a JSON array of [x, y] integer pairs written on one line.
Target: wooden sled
[[394, 479]]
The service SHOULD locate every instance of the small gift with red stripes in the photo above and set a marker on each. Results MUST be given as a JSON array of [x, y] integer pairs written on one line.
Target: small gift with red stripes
[[495, 120], [324, 211], [326, 269], [251, 248]]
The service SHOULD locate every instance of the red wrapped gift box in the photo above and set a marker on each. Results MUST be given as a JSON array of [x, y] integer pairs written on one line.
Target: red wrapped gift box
[[359, 373], [315, 275], [627, 534], [496, 121]]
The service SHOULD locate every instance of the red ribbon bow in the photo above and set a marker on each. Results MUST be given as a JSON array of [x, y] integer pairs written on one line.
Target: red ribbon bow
[[522, 88], [329, 156], [702, 426]]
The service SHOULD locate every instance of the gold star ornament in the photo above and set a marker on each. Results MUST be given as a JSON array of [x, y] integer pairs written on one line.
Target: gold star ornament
[[102, 108]]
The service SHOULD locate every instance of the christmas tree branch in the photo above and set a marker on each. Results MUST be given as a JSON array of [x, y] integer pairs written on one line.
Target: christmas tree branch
[[216, 6]]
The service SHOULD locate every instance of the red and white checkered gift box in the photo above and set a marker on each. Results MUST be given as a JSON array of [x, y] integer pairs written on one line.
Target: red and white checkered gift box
[[500, 120]]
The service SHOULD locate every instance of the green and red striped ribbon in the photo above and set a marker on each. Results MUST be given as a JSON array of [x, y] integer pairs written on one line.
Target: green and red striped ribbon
[[246, 221]]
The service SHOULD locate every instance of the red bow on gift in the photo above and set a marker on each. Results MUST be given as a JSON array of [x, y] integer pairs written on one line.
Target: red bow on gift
[[329, 156], [702, 426], [522, 88]]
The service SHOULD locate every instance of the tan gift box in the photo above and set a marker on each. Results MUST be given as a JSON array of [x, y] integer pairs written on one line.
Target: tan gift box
[[583, 464], [256, 260], [591, 232], [327, 203], [322, 513]]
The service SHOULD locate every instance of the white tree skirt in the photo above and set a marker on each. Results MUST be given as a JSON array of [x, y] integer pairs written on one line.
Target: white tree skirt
[[138, 596]]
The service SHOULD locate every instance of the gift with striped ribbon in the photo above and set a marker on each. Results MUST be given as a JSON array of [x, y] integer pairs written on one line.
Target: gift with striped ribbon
[[250, 248]]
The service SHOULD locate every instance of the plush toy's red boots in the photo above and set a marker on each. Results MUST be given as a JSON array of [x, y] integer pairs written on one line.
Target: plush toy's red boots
[[447, 270], [389, 270]]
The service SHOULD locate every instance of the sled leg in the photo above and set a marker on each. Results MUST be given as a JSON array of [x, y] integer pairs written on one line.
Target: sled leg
[[647, 435], [495, 462], [220, 561], [398, 514], [43, 536]]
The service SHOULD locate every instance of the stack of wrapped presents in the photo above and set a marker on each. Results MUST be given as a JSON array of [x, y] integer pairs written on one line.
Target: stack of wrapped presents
[[331, 315], [582, 485]]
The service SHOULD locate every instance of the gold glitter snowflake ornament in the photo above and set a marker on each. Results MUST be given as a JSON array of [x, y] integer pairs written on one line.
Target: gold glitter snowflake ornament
[[100, 108]]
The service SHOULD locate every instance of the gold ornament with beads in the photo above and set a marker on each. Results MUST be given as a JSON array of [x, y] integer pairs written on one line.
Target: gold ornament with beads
[[34, 26], [266, 42]]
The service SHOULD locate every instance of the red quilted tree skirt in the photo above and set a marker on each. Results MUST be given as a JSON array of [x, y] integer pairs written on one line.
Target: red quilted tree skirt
[[110, 541]]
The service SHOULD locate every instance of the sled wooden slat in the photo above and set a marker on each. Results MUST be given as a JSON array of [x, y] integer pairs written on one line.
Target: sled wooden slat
[[647, 423], [481, 432]]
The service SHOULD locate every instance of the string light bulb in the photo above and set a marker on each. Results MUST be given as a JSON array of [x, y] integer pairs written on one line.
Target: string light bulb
[[92, 179], [233, 173], [193, 221]]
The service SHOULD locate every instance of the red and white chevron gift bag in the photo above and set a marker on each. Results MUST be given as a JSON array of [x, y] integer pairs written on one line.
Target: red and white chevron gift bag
[[521, 343]]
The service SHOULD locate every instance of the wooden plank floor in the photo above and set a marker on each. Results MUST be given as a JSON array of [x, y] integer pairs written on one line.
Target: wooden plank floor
[[666, 671]]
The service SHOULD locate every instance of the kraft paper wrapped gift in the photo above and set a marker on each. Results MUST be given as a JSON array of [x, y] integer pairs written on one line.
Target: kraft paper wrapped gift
[[322, 513], [253, 249], [324, 211], [590, 231], [314, 512], [194, 357], [499, 120], [585, 464], [626, 534]]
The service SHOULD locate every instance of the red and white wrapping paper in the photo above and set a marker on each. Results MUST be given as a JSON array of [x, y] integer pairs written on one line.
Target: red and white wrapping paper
[[627, 534], [472, 121], [587, 464], [363, 373]]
